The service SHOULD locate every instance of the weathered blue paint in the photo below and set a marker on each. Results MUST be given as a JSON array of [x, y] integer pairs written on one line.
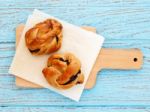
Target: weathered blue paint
[[124, 24]]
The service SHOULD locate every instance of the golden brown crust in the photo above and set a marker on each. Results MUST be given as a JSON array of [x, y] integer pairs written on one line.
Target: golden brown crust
[[63, 71], [44, 37]]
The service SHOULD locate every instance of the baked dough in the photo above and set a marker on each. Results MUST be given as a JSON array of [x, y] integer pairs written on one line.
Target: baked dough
[[44, 37], [63, 71]]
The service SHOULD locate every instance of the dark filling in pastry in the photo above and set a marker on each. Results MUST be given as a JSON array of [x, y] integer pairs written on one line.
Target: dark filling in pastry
[[72, 78], [34, 51], [57, 39], [66, 61]]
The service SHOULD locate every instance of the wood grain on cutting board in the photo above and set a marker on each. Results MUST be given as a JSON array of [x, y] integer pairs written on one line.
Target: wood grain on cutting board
[[107, 59]]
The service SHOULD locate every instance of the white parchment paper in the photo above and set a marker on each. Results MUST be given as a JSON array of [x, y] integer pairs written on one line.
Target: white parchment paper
[[83, 44]]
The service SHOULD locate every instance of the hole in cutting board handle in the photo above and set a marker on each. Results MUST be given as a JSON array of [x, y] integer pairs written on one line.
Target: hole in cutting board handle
[[135, 59]]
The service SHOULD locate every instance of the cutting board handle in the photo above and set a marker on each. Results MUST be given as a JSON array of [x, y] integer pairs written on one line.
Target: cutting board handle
[[108, 58], [120, 59]]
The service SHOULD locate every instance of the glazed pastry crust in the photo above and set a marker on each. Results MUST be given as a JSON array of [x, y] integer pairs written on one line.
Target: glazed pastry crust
[[63, 71], [44, 37]]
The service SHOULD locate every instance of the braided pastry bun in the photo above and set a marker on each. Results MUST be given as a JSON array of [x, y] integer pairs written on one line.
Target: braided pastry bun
[[44, 37], [63, 71]]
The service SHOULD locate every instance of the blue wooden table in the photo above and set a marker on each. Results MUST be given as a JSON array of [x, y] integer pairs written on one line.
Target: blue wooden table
[[123, 23]]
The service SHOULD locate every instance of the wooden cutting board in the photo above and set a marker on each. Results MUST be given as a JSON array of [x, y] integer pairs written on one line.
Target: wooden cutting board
[[107, 59]]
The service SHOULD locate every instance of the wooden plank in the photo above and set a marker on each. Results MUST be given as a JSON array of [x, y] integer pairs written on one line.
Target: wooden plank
[[125, 23], [64, 3], [75, 109]]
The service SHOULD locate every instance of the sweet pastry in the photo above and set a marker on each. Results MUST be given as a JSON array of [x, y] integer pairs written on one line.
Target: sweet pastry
[[44, 37], [63, 71]]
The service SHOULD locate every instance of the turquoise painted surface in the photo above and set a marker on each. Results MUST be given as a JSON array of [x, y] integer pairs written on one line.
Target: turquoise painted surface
[[124, 24]]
